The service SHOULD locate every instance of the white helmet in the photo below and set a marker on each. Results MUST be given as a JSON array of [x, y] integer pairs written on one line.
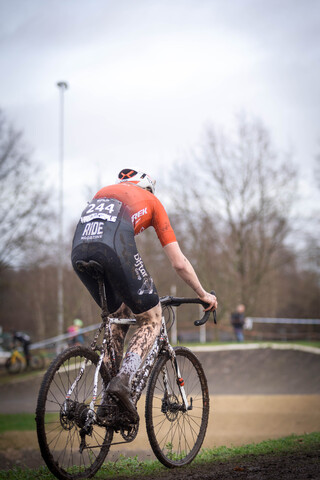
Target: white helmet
[[138, 178]]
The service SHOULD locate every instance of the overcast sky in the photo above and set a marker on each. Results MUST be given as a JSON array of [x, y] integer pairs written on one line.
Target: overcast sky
[[146, 76]]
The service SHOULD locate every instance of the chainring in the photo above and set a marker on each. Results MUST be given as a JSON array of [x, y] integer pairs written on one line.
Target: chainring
[[129, 432]]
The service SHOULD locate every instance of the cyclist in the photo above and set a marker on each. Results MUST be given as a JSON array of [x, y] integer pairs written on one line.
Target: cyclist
[[105, 233]]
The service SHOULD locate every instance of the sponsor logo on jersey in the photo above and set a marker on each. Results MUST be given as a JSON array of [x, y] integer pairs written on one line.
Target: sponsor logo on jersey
[[102, 216], [146, 287], [137, 216], [139, 267], [92, 231]]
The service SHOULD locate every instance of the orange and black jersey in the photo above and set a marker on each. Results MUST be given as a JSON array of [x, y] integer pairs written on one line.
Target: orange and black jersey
[[144, 207]]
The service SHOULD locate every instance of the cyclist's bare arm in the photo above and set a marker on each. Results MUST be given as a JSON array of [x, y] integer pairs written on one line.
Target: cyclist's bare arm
[[186, 271]]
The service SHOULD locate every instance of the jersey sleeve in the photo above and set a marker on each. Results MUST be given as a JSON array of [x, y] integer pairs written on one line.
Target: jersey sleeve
[[162, 225]]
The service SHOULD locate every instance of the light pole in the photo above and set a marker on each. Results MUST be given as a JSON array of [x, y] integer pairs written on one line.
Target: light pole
[[62, 87]]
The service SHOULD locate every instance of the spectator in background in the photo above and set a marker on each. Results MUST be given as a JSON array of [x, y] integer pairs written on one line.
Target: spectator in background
[[77, 338], [237, 321], [25, 341]]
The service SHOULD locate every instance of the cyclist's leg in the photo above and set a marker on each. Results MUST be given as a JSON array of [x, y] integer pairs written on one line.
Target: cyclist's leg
[[149, 324], [119, 332]]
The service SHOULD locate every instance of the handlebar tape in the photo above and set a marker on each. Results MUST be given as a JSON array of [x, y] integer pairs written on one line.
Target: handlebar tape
[[206, 316]]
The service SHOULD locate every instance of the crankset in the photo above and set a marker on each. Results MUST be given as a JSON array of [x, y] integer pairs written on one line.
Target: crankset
[[129, 431]]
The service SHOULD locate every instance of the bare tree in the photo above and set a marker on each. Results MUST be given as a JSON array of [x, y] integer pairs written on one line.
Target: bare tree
[[24, 208], [236, 196]]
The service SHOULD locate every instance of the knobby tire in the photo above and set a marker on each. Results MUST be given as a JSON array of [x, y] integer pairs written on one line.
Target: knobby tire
[[175, 435], [59, 434]]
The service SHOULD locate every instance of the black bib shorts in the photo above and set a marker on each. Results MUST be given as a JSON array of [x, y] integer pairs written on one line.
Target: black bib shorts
[[105, 234]]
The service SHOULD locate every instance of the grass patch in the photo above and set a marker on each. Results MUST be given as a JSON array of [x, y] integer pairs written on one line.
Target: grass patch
[[17, 422], [132, 467], [279, 446], [21, 421]]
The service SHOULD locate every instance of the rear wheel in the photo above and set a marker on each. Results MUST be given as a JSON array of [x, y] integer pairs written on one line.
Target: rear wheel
[[176, 433], [69, 451], [37, 362]]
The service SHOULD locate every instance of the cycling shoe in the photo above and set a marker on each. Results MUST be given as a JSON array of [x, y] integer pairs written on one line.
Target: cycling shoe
[[118, 388]]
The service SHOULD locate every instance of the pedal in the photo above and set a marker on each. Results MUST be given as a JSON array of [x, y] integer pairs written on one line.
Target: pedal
[[114, 397]]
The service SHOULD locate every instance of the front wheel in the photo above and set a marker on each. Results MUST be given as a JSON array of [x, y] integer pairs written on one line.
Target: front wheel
[[176, 433], [69, 451]]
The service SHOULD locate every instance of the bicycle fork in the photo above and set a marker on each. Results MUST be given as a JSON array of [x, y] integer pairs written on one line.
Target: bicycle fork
[[180, 382]]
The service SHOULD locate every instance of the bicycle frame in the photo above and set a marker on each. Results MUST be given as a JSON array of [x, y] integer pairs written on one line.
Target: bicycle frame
[[140, 380], [16, 361], [16, 355]]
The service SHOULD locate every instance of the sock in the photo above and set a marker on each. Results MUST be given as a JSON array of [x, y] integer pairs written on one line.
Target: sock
[[130, 365]]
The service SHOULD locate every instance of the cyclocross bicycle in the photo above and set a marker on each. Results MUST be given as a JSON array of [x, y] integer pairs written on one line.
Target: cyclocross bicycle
[[17, 363], [74, 440]]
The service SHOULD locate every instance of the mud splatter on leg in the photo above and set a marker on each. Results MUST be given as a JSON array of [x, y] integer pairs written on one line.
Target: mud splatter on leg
[[119, 332], [149, 324]]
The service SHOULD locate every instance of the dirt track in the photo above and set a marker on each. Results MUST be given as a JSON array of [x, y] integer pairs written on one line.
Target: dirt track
[[255, 395]]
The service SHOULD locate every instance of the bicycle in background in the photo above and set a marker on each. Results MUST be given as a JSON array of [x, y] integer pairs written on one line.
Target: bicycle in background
[[17, 363]]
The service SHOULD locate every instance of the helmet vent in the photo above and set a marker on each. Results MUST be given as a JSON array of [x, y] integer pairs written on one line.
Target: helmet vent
[[127, 173]]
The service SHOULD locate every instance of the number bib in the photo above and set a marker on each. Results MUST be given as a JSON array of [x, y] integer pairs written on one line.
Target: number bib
[[92, 224], [102, 209]]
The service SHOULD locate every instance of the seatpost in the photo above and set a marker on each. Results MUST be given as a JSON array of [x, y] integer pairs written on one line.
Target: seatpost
[[103, 299]]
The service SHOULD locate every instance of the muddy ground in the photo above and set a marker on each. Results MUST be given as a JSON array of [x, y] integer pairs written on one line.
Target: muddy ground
[[255, 395]]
